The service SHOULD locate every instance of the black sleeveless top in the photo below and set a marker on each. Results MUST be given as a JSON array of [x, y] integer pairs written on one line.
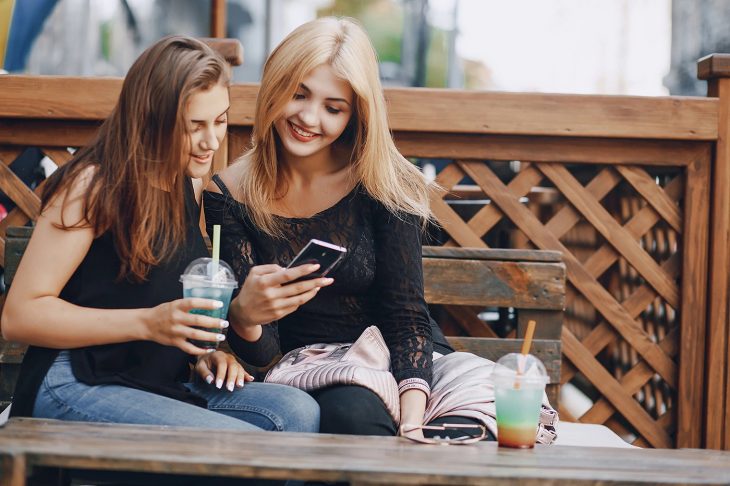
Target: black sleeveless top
[[145, 365]]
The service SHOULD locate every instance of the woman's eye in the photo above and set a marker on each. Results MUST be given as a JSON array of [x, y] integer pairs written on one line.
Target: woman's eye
[[298, 96], [332, 110], [221, 122]]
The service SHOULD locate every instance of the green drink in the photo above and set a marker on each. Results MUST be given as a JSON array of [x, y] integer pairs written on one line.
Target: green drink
[[206, 279], [519, 384]]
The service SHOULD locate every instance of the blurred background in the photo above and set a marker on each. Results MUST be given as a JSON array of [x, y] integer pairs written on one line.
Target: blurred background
[[641, 47]]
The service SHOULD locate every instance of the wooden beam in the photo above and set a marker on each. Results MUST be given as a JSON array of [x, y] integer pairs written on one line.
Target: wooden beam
[[714, 66], [218, 18], [419, 110]]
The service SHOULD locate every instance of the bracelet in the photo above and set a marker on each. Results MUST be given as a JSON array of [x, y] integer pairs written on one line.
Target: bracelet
[[414, 384]]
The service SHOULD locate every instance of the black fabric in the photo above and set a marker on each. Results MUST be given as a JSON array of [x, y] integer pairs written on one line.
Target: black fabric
[[349, 409], [144, 365], [379, 281], [355, 410]]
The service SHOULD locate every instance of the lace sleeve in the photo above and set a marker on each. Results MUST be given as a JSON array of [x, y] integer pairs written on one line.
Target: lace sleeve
[[400, 303], [237, 250]]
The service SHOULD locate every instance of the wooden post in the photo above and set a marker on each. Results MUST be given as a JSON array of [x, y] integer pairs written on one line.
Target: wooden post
[[715, 68], [218, 18]]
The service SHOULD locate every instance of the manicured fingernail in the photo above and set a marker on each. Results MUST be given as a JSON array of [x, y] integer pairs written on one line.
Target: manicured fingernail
[[224, 324], [210, 350], [328, 281], [221, 337], [209, 379], [240, 383], [230, 386], [218, 383], [218, 304]]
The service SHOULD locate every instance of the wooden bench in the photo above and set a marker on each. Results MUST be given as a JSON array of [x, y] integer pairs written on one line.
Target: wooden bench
[[31, 443], [531, 282]]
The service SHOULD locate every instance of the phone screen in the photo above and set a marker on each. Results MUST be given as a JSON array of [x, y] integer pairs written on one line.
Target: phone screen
[[317, 251]]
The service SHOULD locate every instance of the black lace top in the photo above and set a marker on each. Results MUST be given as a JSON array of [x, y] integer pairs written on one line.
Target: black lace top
[[380, 280]]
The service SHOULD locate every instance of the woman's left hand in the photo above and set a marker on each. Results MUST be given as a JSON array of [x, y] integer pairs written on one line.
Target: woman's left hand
[[223, 368]]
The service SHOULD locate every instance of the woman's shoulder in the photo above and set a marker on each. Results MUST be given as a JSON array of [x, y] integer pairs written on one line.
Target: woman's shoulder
[[228, 180]]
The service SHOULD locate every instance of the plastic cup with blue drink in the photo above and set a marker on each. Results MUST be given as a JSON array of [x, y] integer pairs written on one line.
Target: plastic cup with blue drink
[[210, 278], [519, 384], [208, 281]]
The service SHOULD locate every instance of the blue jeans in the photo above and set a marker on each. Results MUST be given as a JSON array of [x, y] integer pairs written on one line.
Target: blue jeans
[[256, 406]]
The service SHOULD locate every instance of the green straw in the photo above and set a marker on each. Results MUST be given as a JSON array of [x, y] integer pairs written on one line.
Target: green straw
[[216, 248]]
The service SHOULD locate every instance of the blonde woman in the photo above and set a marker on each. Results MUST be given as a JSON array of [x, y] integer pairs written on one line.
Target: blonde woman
[[323, 165]]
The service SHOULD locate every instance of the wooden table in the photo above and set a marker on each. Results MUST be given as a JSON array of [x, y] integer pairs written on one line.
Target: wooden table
[[26, 443]]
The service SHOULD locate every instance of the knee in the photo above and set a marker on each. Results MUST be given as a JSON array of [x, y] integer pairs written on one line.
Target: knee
[[353, 410], [302, 414]]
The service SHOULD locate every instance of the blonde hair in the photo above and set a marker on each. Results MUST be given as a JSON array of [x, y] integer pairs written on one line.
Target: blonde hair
[[341, 43]]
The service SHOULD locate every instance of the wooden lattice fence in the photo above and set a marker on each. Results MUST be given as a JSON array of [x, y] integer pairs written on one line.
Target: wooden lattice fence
[[620, 185]]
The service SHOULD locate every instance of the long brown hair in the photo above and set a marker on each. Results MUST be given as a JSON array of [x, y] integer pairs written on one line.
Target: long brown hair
[[342, 44], [139, 155]]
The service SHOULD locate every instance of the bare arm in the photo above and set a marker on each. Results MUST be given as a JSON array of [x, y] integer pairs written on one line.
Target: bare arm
[[34, 313]]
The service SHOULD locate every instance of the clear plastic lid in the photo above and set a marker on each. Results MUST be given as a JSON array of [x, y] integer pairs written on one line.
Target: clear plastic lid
[[519, 368], [205, 271]]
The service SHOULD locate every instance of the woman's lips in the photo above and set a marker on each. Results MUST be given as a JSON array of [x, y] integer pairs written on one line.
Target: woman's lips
[[301, 134]]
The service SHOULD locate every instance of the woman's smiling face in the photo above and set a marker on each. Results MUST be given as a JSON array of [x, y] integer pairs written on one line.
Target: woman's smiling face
[[317, 114]]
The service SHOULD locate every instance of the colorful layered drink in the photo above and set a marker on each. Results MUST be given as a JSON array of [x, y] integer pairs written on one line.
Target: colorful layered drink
[[519, 385]]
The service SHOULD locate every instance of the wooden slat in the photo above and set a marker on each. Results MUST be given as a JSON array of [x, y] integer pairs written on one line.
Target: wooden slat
[[579, 277], [466, 318], [449, 176], [21, 194], [546, 149], [33, 132], [612, 231], [384, 460], [489, 215], [693, 308], [500, 254], [453, 224], [500, 284], [547, 350], [426, 110], [635, 304], [12, 469], [714, 66], [612, 390], [718, 389], [567, 216], [632, 381], [637, 226], [552, 114], [654, 195]]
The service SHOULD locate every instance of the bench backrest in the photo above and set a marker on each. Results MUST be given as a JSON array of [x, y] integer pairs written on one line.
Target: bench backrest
[[531, 282]]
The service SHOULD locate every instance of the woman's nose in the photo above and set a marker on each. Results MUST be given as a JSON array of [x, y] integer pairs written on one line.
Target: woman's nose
[[308, 115], [210, 140]]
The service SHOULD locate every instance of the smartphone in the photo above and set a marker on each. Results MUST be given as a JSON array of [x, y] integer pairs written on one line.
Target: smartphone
[[317, 251]]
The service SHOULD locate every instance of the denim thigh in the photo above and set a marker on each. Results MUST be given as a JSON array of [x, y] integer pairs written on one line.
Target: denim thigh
[[269, 406], [62, 396]]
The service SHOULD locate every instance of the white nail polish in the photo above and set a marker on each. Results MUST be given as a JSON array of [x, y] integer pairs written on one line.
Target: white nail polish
[[224, 324], [240, 383], [218, 383], [230, 386], [218, 304], [210, 350], [221, 337], [209, 379]]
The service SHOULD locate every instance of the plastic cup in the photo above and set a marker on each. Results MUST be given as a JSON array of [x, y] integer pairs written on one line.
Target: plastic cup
[[519, 383], [209, 280]]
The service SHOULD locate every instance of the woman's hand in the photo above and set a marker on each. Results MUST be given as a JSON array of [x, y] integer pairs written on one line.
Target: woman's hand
[[172, 324], [267, 294], [226, 369]]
